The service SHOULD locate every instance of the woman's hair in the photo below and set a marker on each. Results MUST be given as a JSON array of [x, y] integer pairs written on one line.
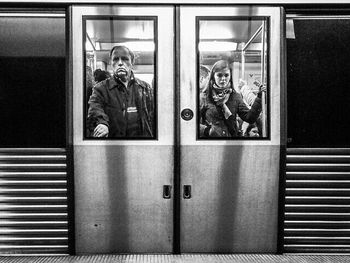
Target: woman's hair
[[218, 66]]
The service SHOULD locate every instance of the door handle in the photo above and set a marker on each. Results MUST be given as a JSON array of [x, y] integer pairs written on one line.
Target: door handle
[[166, 191], [187, 194]]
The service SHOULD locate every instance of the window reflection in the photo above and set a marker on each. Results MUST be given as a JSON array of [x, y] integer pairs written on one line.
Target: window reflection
[[119, 85], [232, 78]]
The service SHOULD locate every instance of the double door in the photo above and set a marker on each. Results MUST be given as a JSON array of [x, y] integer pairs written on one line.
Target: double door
[[180, 189]]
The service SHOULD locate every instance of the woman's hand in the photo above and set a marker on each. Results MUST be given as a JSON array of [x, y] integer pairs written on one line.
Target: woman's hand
[[220, 100], [262, 87]]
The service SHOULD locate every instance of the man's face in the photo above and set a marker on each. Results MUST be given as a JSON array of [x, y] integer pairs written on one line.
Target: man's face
[[121, 63]]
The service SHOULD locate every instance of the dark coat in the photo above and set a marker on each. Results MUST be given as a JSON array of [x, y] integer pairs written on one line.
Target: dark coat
[[107, 106], [213, 115]]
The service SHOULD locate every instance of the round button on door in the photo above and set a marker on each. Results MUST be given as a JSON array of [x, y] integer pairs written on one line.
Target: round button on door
[[187, 114]]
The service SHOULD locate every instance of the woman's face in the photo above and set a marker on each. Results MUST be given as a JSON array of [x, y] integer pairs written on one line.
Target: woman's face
[[222, 77]]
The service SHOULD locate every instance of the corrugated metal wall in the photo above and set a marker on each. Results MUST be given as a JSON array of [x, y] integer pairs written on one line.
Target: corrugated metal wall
[[33, 201], [317, 207]]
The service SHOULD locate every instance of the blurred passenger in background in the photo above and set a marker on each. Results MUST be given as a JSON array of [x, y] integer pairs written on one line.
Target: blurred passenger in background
[[89, 82], [203, 78], [248, 93], [100, 75], [249, 96], [252, 131], [122, 105]]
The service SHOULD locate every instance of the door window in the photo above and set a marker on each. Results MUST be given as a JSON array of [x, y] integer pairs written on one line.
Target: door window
[[318, 94], [33, 93], [120, 86], [232, 78]]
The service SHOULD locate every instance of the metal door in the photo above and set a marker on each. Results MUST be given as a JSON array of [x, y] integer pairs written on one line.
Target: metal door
[[123, 186], [229, 198]]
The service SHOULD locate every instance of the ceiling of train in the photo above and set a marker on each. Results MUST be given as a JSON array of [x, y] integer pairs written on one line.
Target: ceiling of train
[[140, 34]]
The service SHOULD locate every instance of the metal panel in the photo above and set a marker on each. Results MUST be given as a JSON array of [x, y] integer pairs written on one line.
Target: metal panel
[[235, 199], [119, 203], [119, 199], [234, 202], [33, 203], [317, 211]]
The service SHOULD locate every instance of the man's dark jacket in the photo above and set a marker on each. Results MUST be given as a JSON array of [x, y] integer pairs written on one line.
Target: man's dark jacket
[[107, 107]]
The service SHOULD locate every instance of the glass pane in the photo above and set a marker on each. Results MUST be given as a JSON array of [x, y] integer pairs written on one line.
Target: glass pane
[[318, 62], [232, 73], [120, 83], [32, 81]]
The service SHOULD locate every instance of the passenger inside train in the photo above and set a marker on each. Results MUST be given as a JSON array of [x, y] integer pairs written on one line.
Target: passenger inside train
[[121, 105], [222, 104]]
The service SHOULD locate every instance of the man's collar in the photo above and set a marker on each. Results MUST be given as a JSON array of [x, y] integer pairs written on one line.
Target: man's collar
[[115, 82]]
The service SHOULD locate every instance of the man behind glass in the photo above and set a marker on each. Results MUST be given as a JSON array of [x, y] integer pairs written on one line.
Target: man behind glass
[[122, 105]]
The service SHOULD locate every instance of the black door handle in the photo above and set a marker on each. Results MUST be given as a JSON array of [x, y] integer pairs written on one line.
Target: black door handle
[[166, 191], [187, 192]]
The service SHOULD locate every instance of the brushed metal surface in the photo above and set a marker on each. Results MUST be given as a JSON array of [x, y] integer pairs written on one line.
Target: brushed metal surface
[[234, 202], [119, 204]]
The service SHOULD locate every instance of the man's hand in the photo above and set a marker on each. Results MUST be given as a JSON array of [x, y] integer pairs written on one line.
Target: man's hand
[[101, 130]]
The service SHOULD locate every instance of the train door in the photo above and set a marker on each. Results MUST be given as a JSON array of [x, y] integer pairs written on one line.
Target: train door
[[124, 185], [317, 179], [183, 186], [229, 184]]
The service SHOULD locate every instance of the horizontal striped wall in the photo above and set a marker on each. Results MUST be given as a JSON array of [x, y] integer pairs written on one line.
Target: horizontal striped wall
[[317, 206], [33, 202]]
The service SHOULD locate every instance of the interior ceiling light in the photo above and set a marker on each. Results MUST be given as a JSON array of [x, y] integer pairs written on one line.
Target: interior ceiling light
[[216, 46], [141, 46]]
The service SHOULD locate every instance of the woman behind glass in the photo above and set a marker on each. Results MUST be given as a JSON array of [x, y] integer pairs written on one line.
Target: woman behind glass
[[222, 104]]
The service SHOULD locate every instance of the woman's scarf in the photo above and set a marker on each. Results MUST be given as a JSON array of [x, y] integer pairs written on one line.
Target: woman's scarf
[[221, 94]]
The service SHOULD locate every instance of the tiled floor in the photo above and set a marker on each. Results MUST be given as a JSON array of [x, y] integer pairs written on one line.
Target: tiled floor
[[186, 258]]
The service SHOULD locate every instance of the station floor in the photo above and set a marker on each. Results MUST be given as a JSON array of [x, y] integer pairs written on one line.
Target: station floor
[[185, 258]]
